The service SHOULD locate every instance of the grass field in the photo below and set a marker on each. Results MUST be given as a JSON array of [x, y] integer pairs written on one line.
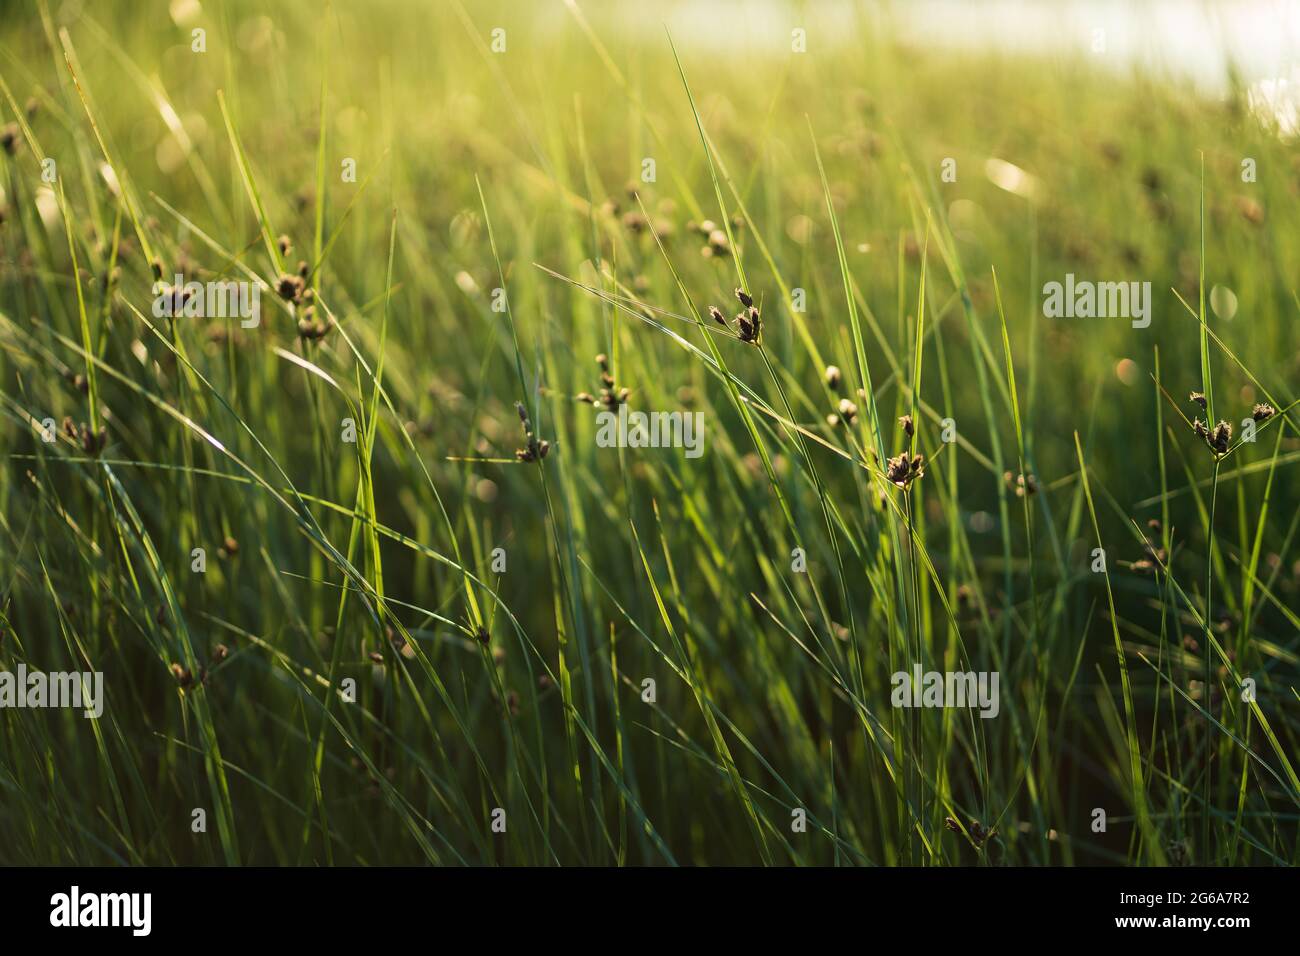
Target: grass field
[[364, 581]]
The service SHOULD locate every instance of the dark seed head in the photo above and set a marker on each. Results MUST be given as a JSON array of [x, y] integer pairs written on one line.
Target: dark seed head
[[898, 469], [310, 330], [92, 443], [1262, 411], [745, 298], [1221, 437], [745, 328], [908, 428], [1198, 398], [288, 287], [903, 470], [9, 138]]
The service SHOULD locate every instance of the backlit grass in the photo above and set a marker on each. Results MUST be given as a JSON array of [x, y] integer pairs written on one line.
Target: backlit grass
[[814, 181]]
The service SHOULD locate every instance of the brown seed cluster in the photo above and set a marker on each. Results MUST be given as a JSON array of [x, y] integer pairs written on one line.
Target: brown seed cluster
[[638, 223], [965, 596], [311, 328], [1023, 485], [176, 297], [749, 324], [10, 139], [1155, 556], [715, 239], [182, 675], [293, 288], [902, 470], [975, 829], [290, 287], [533, 450], [1219, 438], [185, 678], [848, 413], [610, 396], [635, 222], [92, 443], [1251, 210]]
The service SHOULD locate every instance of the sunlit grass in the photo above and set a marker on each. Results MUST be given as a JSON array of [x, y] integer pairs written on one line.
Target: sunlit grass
[[361, 676]]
